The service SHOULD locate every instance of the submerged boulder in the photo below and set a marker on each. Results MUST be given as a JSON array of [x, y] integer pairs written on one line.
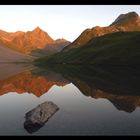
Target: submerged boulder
[[37, 117]]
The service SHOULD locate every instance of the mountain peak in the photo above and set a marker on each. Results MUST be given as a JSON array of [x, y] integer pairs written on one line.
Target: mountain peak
[[128, 18], [61, 40], [37, 29], [133, 13]]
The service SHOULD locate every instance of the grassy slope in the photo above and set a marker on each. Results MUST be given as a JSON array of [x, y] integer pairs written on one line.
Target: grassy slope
[[121, 48]]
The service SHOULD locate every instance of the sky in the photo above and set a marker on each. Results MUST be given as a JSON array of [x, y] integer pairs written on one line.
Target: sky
[[60, 21]]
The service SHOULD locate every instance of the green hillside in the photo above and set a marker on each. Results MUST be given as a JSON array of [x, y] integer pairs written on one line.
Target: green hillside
[[120, 48]]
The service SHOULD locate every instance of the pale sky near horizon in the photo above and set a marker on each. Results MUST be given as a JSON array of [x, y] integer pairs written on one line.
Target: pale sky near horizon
[[60, 21]]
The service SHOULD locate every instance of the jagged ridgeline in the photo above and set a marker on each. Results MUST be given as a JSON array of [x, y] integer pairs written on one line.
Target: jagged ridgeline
[[116, 44], [20, 46]]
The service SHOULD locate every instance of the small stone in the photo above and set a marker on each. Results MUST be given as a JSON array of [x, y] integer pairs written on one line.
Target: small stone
[[37, 117]]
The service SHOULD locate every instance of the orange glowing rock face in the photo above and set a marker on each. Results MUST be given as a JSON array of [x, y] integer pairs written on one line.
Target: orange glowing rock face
[[27, 82], [26, 42]]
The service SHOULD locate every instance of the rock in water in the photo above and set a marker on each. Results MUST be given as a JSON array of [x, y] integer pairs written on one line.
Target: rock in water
[[37, 117]]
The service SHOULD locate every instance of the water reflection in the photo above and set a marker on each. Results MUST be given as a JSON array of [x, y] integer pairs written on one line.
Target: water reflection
[[33, 81], [119, 85]]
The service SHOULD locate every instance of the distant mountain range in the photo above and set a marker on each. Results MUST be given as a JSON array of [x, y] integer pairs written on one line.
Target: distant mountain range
[[116, 44], [27, 44]]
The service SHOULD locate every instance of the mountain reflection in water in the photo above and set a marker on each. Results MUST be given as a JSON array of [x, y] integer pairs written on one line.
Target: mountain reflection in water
[[119, 85], [91, 100], [32, 81]]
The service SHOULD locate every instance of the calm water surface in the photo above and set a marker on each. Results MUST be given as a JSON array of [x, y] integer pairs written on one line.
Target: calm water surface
[[91, 101]]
